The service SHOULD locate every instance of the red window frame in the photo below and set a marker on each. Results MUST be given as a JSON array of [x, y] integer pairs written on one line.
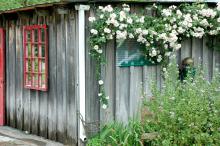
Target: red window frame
[[35, 43]]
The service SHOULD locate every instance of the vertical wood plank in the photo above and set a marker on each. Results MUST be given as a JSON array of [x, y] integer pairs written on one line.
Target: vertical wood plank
[[136, 74], [60, 81], [197, 45], [186, 49], [207, 59], [34, 101], [216, 56], [12, 61], [26, 95], [122, 94], [43, 97], [107, 115], [71, 55], [149, 76], [92, 100], [7, 74], [19, 76], [52, 91]]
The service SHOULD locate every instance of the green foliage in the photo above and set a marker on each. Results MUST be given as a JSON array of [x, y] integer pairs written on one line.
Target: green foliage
[[119, 135], [186, 113], [183, 113], [12, 4]]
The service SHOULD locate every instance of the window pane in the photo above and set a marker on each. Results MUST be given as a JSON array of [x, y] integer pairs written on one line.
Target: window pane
[[43, 81], [35, 50], [43, 66], [28, 65], [42, 35], [43, 51], [28, 39], [36, 35], [28, 79], [36, 65], [28, 50]]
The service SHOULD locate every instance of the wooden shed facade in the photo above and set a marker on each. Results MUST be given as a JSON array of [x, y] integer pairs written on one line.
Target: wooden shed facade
[[54, 114]]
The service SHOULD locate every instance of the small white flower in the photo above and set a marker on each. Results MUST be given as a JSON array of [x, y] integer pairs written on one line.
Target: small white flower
[[159, 58], [91, 19], [101, 82], [113, 16], [93, 31], [129, 20], [164, 69], [142, 19], [131, 36], [99, 51], [104, 106], [101, 16], [107, 97], [100, 94], [96, 47], [154, 52], [101, 7], [107, 30], [218, 20], [145, 32]]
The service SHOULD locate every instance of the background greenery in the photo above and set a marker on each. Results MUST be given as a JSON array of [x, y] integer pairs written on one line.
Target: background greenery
[[11, 4]]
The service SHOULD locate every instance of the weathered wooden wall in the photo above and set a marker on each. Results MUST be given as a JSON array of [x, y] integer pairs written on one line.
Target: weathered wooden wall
[[126, 85], [51, 114]]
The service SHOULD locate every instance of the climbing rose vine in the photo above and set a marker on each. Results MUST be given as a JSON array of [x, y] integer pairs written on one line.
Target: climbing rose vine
[[160, 34]]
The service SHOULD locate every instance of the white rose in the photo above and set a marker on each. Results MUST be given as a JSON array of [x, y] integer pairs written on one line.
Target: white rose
[[91, 19], [104, 106], [106, 30], [93, 31], [96, 47], [145, 32], [107, 97], [154, 52], [164, 69], [218, 20], [131, 36], [159, 59], [100, 94], [129, 20], [101, 82], [99, 51], [142, 19], [113, 15], [101, 16]]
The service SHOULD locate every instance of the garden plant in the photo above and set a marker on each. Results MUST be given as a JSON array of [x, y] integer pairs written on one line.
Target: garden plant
[[183, 113]]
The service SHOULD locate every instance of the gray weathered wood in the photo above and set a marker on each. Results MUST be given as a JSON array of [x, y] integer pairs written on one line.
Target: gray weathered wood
[[19, 76], [186, 49], [136, 74], [11, 65], [52, 97], [207, 59], [122, 94], [197, 47], [71, 55], [109, 79]]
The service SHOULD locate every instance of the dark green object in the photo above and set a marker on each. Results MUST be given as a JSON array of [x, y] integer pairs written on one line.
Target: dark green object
[[129, 53]]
